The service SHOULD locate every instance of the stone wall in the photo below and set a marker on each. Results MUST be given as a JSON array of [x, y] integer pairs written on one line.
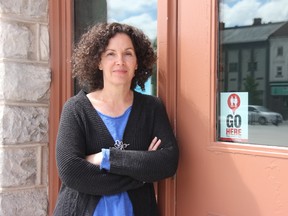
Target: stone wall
[[24, 100]]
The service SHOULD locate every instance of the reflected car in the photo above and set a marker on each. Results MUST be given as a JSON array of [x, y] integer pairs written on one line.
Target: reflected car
[[262, 115]]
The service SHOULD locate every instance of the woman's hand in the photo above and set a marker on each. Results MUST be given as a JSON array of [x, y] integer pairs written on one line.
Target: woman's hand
[[95, 158], [154, 144]]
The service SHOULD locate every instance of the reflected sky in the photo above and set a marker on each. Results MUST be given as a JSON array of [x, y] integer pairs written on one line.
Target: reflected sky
[[242, 12], [140, 13]]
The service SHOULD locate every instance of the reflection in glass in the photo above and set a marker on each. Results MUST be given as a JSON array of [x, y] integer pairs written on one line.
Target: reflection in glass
[[140, 13], [253, 58]]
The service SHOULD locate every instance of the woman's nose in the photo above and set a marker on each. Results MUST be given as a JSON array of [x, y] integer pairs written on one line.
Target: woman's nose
[[120, 59]]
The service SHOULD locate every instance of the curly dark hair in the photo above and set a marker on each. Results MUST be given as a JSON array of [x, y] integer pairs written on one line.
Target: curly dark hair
[[87, 55]]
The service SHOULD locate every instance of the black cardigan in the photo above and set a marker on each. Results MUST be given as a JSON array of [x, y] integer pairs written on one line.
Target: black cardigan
[[82, 132]]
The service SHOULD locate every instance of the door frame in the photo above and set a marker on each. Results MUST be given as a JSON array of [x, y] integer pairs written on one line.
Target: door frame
[[60, 28], [167, 85]]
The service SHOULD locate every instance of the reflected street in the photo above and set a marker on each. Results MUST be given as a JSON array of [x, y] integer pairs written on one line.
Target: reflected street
[[269, 134]]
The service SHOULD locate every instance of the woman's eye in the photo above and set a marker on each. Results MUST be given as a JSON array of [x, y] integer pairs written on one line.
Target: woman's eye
[[110, 54]]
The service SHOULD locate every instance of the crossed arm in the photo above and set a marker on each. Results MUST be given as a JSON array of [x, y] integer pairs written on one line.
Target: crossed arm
[[96, 159]]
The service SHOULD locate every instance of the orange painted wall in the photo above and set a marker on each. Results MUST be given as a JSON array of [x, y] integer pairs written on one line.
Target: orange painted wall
[[213, 179]]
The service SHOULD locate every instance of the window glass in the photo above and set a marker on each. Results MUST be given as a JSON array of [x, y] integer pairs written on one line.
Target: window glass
[[280, 51], [252, 99], [140, 13]]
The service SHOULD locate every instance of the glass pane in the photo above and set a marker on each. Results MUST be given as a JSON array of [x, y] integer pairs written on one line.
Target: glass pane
[[253, 72], [87, 13], [140, 13]]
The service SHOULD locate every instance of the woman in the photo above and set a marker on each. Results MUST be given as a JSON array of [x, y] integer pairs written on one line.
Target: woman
[[113, 142]]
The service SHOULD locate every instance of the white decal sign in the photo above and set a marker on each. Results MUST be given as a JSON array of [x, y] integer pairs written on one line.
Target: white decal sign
[[234, 116]]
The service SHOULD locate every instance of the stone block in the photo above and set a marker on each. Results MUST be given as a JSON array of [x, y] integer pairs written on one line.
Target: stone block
[[45, 165], [44, 43], [1, 82], [31, 8], [23, 125], [24, 203], [15, 40], [1, 123], [18, 167], [24, 82]]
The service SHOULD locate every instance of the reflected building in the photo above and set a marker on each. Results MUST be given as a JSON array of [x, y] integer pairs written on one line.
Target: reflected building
[[254, 58]]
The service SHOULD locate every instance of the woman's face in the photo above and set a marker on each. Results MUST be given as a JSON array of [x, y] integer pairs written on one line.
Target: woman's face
[[118, 61]]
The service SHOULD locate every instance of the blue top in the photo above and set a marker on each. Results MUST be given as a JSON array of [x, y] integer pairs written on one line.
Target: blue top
[[117, 204]]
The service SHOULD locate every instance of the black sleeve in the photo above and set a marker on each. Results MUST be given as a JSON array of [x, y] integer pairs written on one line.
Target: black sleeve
[[77, 173], [149, 166]]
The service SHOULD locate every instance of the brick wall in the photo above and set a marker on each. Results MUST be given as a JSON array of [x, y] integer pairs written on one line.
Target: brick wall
[[24, 101]]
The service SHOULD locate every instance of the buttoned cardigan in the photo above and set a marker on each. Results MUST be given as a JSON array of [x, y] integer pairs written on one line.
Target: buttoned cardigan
[[82, 132]]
